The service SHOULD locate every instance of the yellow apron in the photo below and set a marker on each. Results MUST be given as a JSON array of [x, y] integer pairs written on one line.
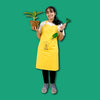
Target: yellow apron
[[47, 54]]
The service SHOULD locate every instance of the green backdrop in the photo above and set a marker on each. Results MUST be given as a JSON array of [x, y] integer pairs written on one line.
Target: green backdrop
[[79, 52]]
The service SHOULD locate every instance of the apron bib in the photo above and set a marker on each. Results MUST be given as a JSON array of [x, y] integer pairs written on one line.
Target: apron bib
[[47, 54]]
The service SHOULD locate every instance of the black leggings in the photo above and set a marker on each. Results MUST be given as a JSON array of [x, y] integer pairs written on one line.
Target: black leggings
[[52, 76]]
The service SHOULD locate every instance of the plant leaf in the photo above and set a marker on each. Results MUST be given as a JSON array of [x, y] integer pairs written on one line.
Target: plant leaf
[[54, 35], [27, 13], [29, 16], [39, 13], [68, 20], [34, 14], [33, 18], [36, 17]]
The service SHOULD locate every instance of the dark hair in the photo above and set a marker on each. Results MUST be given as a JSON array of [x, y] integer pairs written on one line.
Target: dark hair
[[55, 21]]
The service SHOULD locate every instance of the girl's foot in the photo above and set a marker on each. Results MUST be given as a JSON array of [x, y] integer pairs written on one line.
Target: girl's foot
[[53, 89], [45, 88]]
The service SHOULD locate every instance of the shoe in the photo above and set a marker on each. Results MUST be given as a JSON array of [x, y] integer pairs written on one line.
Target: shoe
[[53, 88], [45, 88]]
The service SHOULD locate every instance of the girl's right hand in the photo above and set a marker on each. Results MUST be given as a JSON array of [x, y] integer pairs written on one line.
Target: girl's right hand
[[35, 29]]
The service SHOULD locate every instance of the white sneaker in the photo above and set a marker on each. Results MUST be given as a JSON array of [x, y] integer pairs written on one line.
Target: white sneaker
[[45, 88], [53, 88]]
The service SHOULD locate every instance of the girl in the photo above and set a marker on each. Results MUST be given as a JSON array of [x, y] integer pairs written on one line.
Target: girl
[[47, 55]]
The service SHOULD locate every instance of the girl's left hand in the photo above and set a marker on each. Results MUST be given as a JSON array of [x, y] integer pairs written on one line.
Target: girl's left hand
[[63, 27]]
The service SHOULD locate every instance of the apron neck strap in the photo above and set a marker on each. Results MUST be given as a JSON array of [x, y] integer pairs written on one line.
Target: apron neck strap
[[45, 21]]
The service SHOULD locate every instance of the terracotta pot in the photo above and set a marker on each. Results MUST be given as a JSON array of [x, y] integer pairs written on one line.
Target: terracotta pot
[[34, 23]]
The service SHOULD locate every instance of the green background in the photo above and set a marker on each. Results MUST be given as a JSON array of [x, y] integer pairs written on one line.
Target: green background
[[79, 52]]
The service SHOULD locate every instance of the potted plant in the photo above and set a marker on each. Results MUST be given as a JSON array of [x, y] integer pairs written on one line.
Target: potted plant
[[56, 34], [33, 15]]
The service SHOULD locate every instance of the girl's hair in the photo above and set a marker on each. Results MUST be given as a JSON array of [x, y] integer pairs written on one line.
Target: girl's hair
[[55, 21]]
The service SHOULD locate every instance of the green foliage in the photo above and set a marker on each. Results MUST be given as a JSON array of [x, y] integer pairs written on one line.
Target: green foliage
[[27, 13], [68, 20], [33, 15], [29, 16], [39, 13], [54, 35]]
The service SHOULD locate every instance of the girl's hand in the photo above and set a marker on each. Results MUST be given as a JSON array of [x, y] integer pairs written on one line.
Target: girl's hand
[[63, 27], [35, 29]]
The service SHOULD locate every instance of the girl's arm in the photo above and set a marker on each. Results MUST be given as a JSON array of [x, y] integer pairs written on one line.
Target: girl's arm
[[60, 36], [39, 31]]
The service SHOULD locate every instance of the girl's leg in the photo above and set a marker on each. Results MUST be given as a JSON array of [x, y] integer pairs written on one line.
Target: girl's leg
[[52, 76], [45, 76], [52, 81]]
